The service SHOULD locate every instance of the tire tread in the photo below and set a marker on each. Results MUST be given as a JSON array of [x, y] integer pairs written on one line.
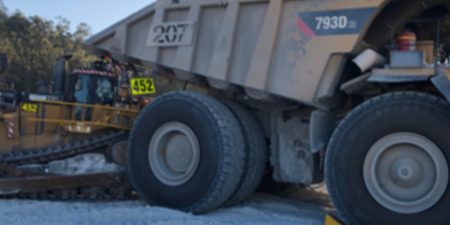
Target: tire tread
[[255, 149], [232, 151], [369, 105]]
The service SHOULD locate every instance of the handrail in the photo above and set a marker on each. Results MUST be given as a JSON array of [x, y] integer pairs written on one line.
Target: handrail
[[437, 41], [78, 122], [86, 105]]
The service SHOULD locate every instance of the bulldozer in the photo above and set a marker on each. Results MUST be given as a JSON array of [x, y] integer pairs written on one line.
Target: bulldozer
[[69, 143]]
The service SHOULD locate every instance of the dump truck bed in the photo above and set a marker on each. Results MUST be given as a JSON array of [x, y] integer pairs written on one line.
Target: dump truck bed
[[294, 49]]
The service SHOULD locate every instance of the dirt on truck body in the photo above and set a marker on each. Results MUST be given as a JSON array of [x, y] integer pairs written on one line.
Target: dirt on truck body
[[353, 92]]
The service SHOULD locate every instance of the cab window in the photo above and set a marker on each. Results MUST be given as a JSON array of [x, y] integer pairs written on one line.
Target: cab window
[[81, 93], [104, 90]]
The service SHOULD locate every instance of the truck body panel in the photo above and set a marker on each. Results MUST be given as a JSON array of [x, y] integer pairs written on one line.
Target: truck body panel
[[287, 48]]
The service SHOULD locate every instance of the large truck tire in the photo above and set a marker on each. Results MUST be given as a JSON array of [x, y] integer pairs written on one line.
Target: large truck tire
[[387, 161], [186, 152], [255, 152]]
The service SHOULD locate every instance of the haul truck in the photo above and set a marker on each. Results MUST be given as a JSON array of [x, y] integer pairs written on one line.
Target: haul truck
[[355, 92]]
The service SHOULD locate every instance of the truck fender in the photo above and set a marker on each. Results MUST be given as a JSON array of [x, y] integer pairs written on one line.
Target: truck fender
[[441, 81], [397, 78], [367, 81], [321, 128]]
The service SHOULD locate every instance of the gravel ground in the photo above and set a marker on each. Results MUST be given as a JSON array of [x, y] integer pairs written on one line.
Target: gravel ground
[[299, 207]]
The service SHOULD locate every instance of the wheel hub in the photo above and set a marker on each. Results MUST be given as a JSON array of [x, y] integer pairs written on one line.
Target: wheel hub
[[174, 153], [405, 172], [179, 153]]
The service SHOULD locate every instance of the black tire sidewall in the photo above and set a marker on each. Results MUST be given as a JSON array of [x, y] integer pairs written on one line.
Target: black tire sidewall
[[185, 196], [354, 137]]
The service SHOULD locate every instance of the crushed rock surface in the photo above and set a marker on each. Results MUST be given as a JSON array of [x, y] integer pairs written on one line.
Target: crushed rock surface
[[259, 209]]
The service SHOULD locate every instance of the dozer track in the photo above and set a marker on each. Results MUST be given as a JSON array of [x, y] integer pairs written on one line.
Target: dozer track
[[35, 185]]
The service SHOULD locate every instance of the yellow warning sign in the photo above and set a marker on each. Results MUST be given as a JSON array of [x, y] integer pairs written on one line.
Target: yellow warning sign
[[27, 107], [142, 86]]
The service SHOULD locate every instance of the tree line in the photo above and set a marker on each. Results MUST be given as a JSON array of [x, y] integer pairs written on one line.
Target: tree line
[[33, 44]]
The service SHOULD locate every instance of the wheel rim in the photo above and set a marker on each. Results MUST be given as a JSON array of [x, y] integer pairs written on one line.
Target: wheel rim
[[174, 153], [406, 172]]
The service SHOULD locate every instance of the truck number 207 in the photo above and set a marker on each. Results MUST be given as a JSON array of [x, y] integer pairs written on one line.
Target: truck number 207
[[333, 22], [169, 33]]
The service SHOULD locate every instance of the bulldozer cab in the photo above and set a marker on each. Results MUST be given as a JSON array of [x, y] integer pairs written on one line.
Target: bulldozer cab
[[92, 87]]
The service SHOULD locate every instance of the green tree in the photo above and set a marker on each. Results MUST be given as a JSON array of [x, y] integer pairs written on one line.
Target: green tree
[[3, 11], [34, 44]]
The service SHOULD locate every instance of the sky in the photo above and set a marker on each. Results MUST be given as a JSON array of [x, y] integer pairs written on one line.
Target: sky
[[98, 14]]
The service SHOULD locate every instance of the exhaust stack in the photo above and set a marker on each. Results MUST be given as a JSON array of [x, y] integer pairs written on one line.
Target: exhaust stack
[[3, 62], [59, 76]]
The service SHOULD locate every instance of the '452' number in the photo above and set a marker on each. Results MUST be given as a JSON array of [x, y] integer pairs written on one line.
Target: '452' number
[[28, 107], [141, 86]]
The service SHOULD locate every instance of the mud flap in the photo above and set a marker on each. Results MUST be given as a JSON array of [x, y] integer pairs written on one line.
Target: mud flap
[[291, 156], [320, 129], [332, 220], [442, 83]]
